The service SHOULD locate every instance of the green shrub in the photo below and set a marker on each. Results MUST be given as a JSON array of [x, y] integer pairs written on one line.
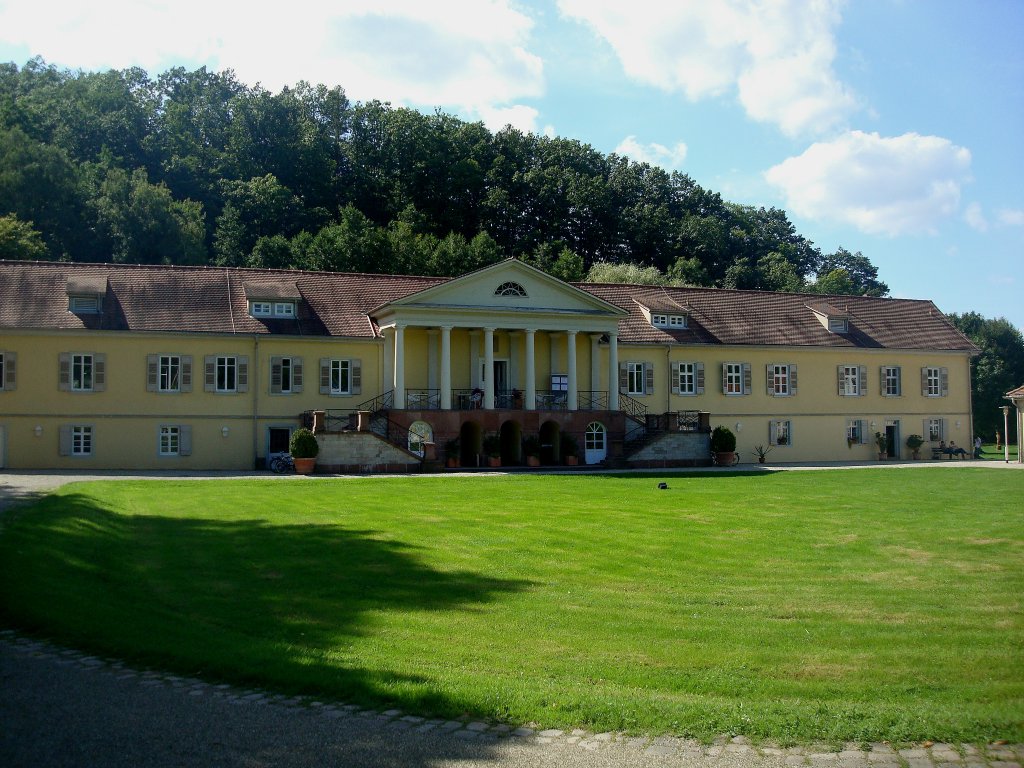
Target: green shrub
[[303, 444], [723, 440]]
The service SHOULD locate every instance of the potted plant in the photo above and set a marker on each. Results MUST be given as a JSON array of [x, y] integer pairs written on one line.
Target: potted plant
[[570, 450], [531, 449], [451, 453], [723, 445], [762, 451], [883, 445], [914, 443], [492, 449], [304, 449]]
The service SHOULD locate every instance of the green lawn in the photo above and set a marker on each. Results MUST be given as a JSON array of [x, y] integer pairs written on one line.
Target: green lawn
[[833, 605], [989, 452]]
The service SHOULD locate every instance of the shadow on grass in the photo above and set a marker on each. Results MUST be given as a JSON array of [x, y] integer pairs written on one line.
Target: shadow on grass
[[249, 601]]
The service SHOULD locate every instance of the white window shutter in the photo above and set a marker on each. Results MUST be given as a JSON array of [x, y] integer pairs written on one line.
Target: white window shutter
[[357, 376], [944, 381], [242, 379], [840, 379], [99, 372], [769, 377], [186, 373], [296, 374], [275, 375], [862, 380], [64, 440], [792, 379], [64, 371], [325, 375], [185, 440], [674, 380], [210, 373], [152, 372], [700, 378]]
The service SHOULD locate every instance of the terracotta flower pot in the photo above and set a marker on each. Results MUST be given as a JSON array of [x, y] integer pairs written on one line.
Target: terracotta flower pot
[[304, 466], [571, 461], [533, 461]]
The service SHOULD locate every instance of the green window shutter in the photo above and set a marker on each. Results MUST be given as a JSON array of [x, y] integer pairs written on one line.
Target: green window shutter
[[325, 376], [275, 375], [64, 372], [10, 370], [152, 372], [862, 380], [99, 372], [725, 378], [357, 376], [746, 379], [296, 374], [769, 377], [674, 380], [700, 378], [792, 379], [863, 430], [185, 440], [243, 374], [924, 382], [648, 379], [623, 377], [944, 381], [210, 373], [64, 440], [771, 432], [186, 373]]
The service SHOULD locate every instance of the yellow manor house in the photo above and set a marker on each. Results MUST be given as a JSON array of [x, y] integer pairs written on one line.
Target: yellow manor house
[[153, 367]]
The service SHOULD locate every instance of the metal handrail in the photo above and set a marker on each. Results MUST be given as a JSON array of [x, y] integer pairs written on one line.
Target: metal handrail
[[593, 400]]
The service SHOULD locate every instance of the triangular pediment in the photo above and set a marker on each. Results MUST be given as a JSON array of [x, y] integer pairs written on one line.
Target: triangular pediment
[[508, 287]]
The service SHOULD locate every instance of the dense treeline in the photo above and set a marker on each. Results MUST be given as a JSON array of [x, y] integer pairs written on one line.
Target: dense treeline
[[196, 167]]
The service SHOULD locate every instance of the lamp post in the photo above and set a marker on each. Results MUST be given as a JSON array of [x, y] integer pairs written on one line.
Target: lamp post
[[1006, 433]]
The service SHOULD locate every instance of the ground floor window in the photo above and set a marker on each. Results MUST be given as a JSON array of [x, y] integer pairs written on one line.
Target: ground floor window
[[419, 433], [856, 432], [934, 431], [175, 440], [780, 432]]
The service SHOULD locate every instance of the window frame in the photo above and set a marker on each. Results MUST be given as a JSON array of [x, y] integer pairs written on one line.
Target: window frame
[[728, 379], [933, 381], [261, 308], [659, 320], [82, 366], [892, 381], [285, 309], [82, 439], [934, 426], [852, 380], [677, 321], [686, 379], [636, 378], [340, 368], [777, 427], [168, 373], [225, 368], [780, 379]]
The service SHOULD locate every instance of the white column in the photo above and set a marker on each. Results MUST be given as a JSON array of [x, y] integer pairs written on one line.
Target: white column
[[530, 399], [613, 371], [572, 401], [595, 362], [474, 359], [399, 366], [489, 368], [389, 357], [446, 367]]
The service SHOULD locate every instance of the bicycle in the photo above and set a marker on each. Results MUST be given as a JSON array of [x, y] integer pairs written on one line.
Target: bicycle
[[282, 463]]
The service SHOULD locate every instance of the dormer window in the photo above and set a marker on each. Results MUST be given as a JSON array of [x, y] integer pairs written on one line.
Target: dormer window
[[834, 319], [677, 321], [261, 309], [277, 299], [838, 324], [659, 320], [84, 305], [281, 309], [510, 289], [284, 309], [668, 321]]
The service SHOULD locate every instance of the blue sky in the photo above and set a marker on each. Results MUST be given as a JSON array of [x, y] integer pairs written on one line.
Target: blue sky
[[890, 127]]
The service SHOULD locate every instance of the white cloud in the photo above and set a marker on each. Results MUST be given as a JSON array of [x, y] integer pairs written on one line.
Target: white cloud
[[1011, 217], [518, 116], [469, 54], [776, 55], [900, 185], [975, 218], [654, 154]]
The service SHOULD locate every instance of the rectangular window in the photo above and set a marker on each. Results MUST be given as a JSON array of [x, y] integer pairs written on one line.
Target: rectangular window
[[170, 373], [933, 382], [227, 374], [659, 320], [780, 432], [284, 309], [170, 441], [84, 305], [838, 325], [677, 321], [559, 382], [687, 381], [934, 431], [733, 378], [341, 377], [635, 379], [81, 441], [779, 384], [849, 380], [855, 431], [262, 309], [892, 386], [81, 373], [286, 374]]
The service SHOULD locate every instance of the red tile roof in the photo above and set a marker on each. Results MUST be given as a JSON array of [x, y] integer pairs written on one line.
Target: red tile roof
[[213, 300]]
